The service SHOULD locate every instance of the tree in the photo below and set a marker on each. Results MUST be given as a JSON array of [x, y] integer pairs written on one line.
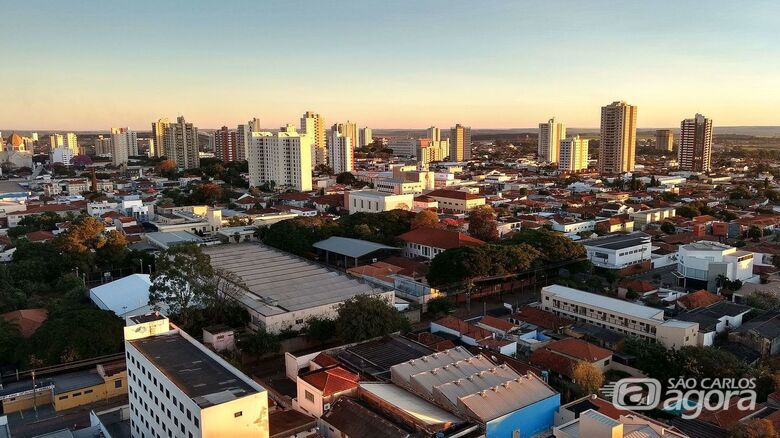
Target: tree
[[482, 223], [427, 219], [440, 306], [207, 193], [182, 280], [587, 377], [687, 211], [320, 329], [323, 169], [755, 233], [10, 338], [554, 247], [459, 264], [114, 251], [368, 316], [166, 168], [259, 343], [84, 235], [668, 227], [345, 178], [763, 300], [297, 235], [756, 428]]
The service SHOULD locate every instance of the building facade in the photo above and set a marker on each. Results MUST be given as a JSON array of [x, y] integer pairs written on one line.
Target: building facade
[[313, 125], [226, 144], [573, 154], [179, 388], [282, 158], [550, 135], [664, 139], [124, 144], [366, 136], [695, 153], [617, 149], [158, 135], [460, 143], [341, 152], [702, 264], [181, 144]]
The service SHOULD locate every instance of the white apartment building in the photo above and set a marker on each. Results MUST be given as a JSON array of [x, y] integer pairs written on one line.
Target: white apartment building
[[618, 315], [573, 154], [550, 136], [62, 155], [699, 264], [619, 251], [406, 147], [179, 388], [124, 144], [341, 152], [283, 157], [313, 125], [573, 227], [371, 201], [644, 217], [103, 146]]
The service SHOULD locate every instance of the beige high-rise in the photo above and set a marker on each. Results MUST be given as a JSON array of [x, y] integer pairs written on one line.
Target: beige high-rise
[[664, 139], [574, 154], [695, 152], [181, 144], [158, 135], [550, 136], [460, 143], [617, 148], [313, 125]]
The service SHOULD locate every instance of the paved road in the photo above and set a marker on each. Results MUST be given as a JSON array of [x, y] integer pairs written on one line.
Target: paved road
[[26, 424]]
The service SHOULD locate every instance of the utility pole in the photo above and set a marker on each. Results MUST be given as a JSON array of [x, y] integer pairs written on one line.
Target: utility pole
[[35, 401]]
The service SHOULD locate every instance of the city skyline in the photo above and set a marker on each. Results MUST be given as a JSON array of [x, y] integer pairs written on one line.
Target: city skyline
[[412, 74]]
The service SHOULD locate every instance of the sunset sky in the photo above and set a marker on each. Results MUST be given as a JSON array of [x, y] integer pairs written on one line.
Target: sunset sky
[[386, 64]]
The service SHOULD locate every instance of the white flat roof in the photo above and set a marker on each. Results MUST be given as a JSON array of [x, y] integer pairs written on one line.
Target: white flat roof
[[123, 295], [411, 404], [603, 302]]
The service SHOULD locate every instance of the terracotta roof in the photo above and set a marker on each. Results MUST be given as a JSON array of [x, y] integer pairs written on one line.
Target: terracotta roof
[[728, 417], [464, 328], [541, 318], [325, 360], [437, 238], [547, 360], [434, 341], [639, 286], [39, 236], [700, 298], [579, 349], [331, 380], [27, 320], [497, 323]]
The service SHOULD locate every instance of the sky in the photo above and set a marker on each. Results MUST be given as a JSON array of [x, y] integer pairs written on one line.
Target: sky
[[84, 65]]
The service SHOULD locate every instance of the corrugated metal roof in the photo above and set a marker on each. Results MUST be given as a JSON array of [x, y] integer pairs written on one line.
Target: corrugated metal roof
[[351, 247], [506, 398]]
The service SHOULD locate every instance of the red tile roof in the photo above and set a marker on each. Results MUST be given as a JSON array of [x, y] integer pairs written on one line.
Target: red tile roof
[[331, 380], [325, 360], [27, 320], [541, 318], [497, 323], [437, 238], [700, 298], [547, 360], [464, 328], [579, 349], [40, 236]]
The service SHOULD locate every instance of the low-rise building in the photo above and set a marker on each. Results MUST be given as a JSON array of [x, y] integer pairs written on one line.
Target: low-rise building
[[644, 217], [631, 251], [429, 242], [618, 315], [704, 264], [455, 200], [371, 201]]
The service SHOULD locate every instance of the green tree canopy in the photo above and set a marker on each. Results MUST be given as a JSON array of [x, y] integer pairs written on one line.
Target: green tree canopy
[[182, 280], [368, 316]]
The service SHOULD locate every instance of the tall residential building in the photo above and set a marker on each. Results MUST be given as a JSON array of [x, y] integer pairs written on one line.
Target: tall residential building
[[348, 129], [225, 144], [550, 136], [124, 144], [179, 388], [56, 141], [180, 144], [460, 143], [664, 139], [617, 148], [158, 135], [283, 158], [71, 142], [313, 125], [341, 152], [433, 133], [243, 134], [573, 155], [366, 136], [695, 153]]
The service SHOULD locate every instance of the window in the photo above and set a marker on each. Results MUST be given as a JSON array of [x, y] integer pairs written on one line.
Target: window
[[238, 414], [196, 421], [89, 391], [117, 383], [309, 396], [62, 397]]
